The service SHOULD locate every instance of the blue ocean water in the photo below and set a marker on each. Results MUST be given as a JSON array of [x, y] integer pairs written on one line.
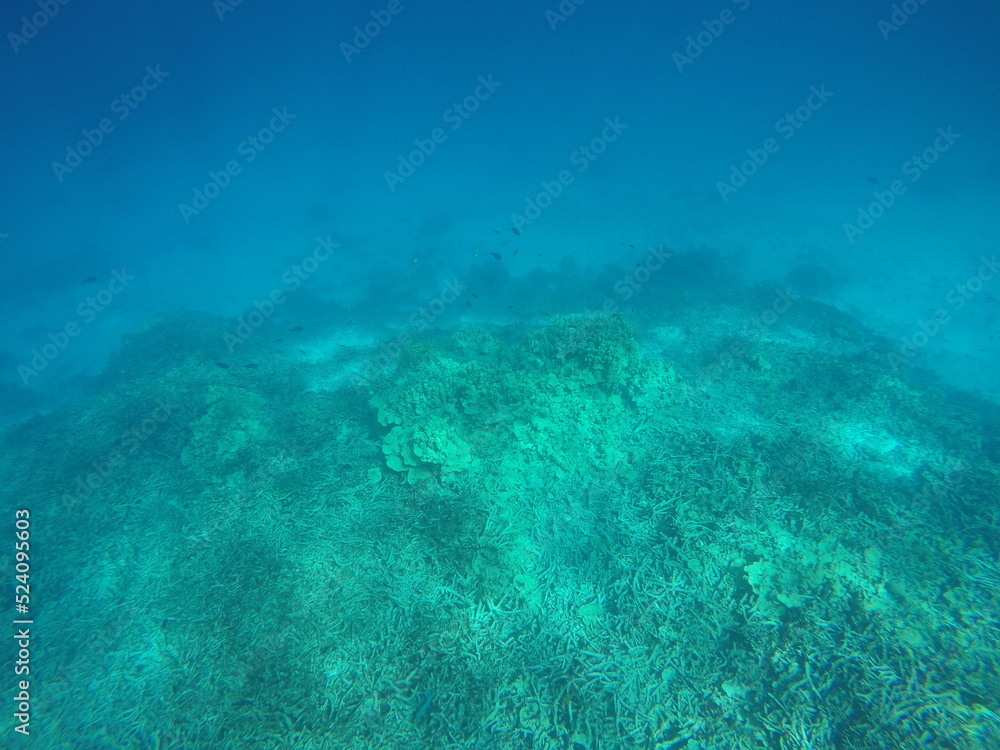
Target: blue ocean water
[[541, 374]]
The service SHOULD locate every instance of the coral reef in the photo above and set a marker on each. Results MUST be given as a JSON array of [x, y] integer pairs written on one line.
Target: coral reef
[[575, 536]]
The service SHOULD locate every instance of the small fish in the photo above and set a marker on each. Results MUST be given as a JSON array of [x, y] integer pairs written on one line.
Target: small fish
[[516, 231], [223, 365], [497, 255], [277, 341], [515, 252], [510, 307], [89, 280], [476, 296], [251, 366], [468, 303], [496, 231], [872, 180], [424, 707], [296, 329], [631, 245]]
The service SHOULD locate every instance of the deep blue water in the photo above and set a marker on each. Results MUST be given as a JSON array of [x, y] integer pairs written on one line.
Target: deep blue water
[[691, 110]]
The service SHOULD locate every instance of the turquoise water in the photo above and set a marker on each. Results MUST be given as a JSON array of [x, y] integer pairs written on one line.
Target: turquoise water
[[534, 375]]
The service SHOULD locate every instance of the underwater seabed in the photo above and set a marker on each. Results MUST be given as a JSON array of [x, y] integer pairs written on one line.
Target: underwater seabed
[[690, 532]]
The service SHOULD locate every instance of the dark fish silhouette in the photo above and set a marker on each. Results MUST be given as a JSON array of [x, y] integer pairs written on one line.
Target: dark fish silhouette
[[516, 231], [89, 280], [498, 256]]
